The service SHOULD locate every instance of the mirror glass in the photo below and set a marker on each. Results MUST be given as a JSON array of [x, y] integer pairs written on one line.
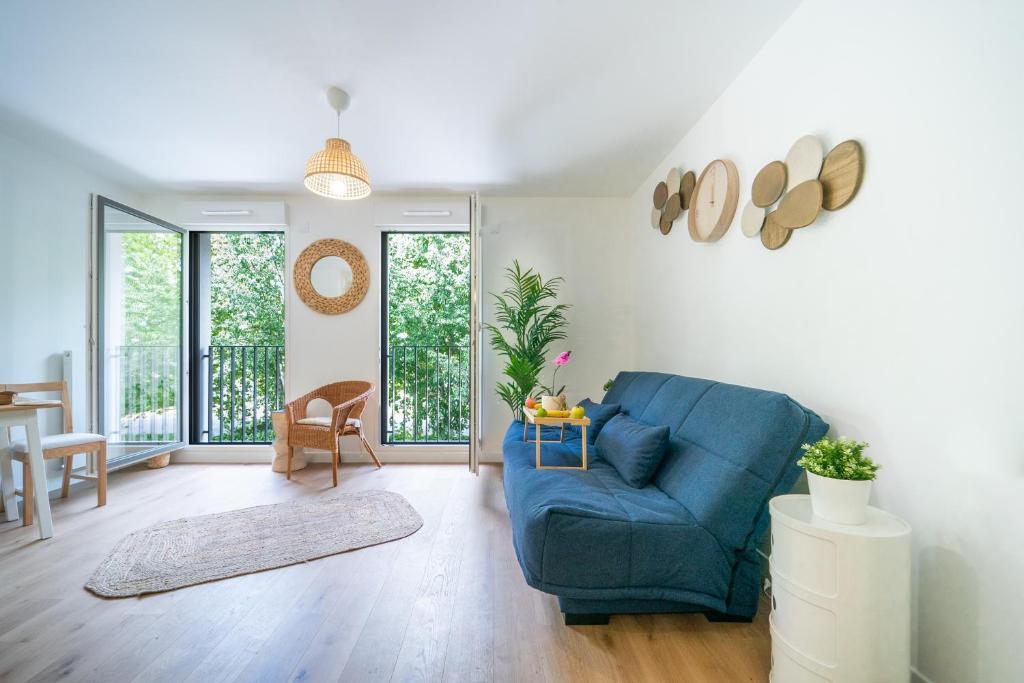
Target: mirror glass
[[331, 276]]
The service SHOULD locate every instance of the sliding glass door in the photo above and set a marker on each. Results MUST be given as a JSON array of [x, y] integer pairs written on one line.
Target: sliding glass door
[[140, 301]]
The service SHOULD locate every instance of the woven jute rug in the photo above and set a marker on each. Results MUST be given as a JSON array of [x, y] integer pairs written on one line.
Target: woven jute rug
[[194, 550]]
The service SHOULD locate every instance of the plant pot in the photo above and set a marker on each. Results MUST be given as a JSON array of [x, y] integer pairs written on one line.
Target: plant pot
[[553, 402], [839, 500]]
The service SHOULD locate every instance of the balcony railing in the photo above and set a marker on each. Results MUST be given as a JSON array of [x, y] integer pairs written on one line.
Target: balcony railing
[[148, 377], [427, 395], [244, 385]]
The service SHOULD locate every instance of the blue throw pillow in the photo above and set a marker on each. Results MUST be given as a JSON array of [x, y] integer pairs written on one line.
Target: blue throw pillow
[[633, 448], [599, 414]]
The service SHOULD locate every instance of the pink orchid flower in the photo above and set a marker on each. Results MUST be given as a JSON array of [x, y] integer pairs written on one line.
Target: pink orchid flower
[[563, 358]]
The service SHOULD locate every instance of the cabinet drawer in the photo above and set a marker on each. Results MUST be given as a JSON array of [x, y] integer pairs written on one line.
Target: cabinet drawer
[[785, 669], [808, 561], [808, 628]]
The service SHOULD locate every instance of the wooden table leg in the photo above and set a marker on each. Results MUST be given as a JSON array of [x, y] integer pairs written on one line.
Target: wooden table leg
[[584, 446], [538, 445], [7, 482], [38, 469]]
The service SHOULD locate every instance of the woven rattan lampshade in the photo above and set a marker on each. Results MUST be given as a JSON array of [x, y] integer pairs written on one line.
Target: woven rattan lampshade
[[337, 173]]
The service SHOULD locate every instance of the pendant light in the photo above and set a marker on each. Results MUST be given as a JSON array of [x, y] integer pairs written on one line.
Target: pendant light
[[334, 171]]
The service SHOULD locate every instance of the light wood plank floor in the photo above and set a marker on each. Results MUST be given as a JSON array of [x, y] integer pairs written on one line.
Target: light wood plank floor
[[445, 604]]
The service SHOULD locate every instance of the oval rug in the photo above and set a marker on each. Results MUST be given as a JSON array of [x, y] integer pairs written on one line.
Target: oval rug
[[184, 552]]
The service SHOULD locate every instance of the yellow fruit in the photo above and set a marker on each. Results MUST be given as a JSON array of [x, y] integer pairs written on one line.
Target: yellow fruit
[[577, 412]]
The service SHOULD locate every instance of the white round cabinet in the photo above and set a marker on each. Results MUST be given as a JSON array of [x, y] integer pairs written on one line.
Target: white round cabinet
[[840, 596]]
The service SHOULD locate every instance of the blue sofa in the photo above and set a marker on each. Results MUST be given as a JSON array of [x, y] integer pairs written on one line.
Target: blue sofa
[[687, 541]]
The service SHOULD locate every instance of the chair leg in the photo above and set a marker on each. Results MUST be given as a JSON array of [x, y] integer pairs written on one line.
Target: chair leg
[[335, 457], [65, 485], [366, 445], [288, 469], [26, 495], [101, 483]]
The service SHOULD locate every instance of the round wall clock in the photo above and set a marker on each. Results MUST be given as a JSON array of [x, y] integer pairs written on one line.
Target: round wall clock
[[713, 204]]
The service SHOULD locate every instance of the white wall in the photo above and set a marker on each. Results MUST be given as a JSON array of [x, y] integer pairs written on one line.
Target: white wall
[[580, 239], [44, 257], [899, 317]]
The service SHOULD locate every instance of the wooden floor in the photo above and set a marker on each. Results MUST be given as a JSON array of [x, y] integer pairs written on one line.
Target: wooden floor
[[446, 604]]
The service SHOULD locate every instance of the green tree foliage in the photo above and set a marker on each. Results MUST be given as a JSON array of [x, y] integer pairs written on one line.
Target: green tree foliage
[[428, 337], [246, 311], [247, 289], [151, 285], [527, 312]]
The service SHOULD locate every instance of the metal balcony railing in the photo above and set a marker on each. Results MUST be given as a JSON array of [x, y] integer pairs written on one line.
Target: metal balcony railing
[[427, 395], [148, 377], [244, 385]]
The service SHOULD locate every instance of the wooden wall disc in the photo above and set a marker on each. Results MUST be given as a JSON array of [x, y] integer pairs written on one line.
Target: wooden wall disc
[[660, 195], [674, 176], [665, 226], [655, 218], [773, 235], [803, 162], [673, 207], [686, 188], [841, 174], [800, 206], [752, 219], [769, 184]]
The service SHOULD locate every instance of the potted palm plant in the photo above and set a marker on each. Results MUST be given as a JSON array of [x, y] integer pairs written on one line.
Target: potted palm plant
[[529, 320], [839, 477]]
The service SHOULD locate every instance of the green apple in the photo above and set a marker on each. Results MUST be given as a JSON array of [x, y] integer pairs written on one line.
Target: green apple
[[577, 412]]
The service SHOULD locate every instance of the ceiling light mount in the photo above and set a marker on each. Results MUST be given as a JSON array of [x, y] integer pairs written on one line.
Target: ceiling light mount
[[335, 171]]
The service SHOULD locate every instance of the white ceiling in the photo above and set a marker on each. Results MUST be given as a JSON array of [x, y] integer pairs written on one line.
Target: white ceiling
[[528, 97]]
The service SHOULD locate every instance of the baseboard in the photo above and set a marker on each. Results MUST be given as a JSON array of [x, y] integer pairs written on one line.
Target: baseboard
[[264, 455]]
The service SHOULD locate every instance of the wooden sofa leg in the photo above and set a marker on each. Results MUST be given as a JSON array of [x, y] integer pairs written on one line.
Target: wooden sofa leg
[[572, 619], [720, 617]]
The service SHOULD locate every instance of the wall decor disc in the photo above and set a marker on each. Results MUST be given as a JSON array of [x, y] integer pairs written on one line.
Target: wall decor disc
[[674, 176], [665, 226], [752, 219], [800, 206], [773, 235], [769, 184], [661, 195], [803, 162], [655, 219], [841, 174], [673, 207], [713, 205], [686, 188]]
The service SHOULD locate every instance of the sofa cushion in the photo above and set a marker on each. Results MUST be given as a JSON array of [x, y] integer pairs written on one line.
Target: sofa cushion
[[599, 414], [588, 534], [633, 448], [730, 448]]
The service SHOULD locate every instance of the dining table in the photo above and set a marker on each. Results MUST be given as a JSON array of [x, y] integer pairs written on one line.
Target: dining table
[[25, 413]]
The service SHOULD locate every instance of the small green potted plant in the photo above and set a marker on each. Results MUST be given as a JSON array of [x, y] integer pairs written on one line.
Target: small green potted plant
[[839, 476]]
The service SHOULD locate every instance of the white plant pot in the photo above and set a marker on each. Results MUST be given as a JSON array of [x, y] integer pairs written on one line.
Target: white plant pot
[[839, 500], [553, 402]]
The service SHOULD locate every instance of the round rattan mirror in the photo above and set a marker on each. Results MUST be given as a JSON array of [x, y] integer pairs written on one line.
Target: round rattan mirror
[[331, 276]]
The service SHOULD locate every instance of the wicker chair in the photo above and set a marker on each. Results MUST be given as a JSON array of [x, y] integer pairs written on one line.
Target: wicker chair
[[348, 400]]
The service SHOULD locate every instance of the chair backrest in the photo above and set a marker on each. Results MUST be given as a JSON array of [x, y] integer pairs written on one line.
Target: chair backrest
[[336, 393], [46, 387]]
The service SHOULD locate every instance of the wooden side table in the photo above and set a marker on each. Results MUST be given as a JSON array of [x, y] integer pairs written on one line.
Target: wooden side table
[[531, 418], [24, 414]]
